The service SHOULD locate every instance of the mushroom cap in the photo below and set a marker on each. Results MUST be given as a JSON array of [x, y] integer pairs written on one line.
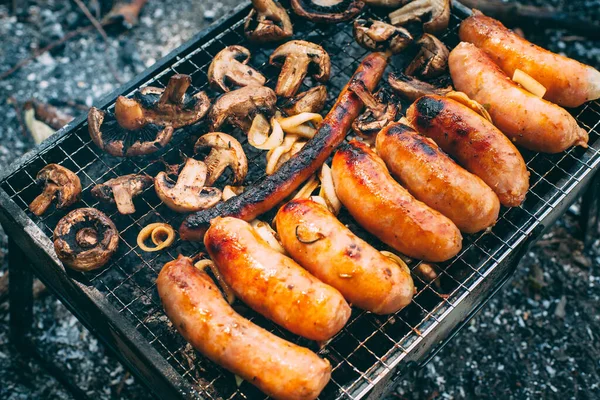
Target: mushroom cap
[[372, 120], [298, 55], [90, 251], [188, 194], [59, 183], [111, 137], [230, 66], [122, 190], [412, 88], [431, 60], [225, 151], [239, 106], [311, 101], [379, 36], [327, 11], [268, 21], [434, 14]]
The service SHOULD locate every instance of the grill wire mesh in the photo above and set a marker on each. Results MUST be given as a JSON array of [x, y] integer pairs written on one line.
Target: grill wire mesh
[[369, 345]]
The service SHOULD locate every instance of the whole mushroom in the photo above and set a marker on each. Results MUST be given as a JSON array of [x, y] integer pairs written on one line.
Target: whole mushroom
[[230, 67], [433, 14], [85, 239], [189, 192], [225, 152], [379, 36], [268, 21], [122, 190], [240, 106], [297, 56], [59, 183], [381, 110]]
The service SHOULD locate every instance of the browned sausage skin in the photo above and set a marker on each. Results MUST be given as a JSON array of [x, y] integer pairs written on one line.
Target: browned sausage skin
[[197, 309], [384, 208], [273, 284], [529, 121], [266, 194], [568, 83], [432, 177], [477, 145], [319, 242]]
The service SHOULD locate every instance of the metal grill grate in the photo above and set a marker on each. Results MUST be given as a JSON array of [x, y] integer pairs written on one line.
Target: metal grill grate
[[369, 345]]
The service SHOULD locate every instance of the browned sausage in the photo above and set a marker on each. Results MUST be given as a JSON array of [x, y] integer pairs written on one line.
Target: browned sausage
[[432, 177], [315, 238], [477, 145], [273, 284], [568, 83], [384, 208], [266, 194], [526, 119], [198, 311]]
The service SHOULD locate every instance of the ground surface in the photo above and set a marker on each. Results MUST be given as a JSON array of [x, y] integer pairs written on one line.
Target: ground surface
[[538, 338]]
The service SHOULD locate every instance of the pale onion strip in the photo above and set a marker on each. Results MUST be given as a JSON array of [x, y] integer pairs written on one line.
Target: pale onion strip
[[267, 233], [265, 141], [148, 232], [299, 119], [320, 200], [305, 192], [276, 153], [327, 191], [396, 258], [472, 104], [231, 191], [229, 295], [259, 130], [305, 131], [529, 83]]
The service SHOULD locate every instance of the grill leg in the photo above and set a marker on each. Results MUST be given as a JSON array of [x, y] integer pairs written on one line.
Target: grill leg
[[590, 210], [20, 286]]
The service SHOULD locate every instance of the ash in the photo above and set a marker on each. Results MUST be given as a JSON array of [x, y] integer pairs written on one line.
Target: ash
[[538, 338]]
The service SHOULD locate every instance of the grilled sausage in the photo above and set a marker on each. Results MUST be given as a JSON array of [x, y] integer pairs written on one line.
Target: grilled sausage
[[273, 284], [568, 83], [529, 121], [477, 145], [315, 238], [384, 208], [197, 309], [272, 190], [432, 177]]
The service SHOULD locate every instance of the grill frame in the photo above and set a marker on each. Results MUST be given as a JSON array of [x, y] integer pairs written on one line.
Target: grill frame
[[444, 319]]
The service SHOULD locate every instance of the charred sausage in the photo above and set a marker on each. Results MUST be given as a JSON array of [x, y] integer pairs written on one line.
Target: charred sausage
[[315, 238], [273, 284], [198, 311], [432, 177], [475, 142], [529, 121], [269, 192], [568, 83], [384, 208]]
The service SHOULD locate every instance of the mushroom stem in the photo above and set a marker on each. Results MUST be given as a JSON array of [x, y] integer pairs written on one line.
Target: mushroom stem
[[123, 199], [41, 203], [292, 74], [175, 90], [359, 89]]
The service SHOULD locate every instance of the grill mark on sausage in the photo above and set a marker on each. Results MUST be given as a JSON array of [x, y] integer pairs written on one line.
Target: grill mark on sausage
[[428, 109]]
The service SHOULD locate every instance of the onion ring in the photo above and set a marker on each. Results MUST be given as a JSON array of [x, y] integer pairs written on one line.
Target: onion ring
[[152, 231], [203, 264]]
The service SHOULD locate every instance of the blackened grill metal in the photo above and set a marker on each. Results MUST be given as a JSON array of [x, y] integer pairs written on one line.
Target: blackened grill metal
[[370, 346]]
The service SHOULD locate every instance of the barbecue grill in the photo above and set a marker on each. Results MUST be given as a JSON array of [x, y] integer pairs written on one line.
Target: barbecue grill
[[120, 304]]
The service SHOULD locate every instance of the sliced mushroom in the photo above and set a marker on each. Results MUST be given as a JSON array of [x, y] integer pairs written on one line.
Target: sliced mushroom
[[268, 21], [59, 183], [327, 11], [379, 36], [145, 124], [229, 67], [188, 193], [225, 151], [381, 110], [85, 239], [412, 88], [122, 190], [311, 101], [433, 14], [297, 56], [431, 60], [240, 106]]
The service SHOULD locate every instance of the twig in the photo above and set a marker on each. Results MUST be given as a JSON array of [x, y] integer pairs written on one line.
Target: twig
[[518, 14], [38, 288], [119, 389], [15, 104], [102, 32]]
